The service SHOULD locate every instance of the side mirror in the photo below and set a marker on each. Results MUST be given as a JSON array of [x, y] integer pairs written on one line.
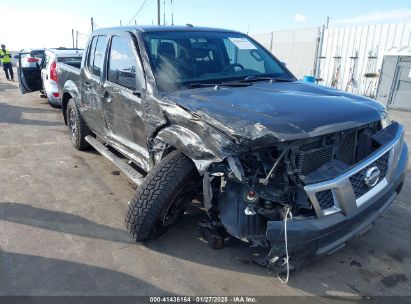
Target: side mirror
[[283, 63]]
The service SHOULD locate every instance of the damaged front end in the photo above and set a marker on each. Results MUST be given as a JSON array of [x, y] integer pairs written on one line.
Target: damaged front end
[[249, 195]]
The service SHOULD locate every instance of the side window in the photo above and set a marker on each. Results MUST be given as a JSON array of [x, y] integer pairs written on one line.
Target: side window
[[123, 67], [46, 61], [92, 49], [99, 55]]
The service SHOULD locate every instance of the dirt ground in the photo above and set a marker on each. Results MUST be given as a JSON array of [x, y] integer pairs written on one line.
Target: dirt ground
[[62, 229]]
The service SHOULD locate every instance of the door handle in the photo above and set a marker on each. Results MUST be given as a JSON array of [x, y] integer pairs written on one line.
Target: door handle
[[87, 86], [106, 96]]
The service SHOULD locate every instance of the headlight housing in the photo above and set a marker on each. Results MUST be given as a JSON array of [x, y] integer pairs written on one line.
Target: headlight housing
[[385, 118]]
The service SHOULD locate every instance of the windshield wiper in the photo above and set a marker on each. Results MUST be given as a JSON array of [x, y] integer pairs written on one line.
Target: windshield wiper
[[265, 78], [216, 85]]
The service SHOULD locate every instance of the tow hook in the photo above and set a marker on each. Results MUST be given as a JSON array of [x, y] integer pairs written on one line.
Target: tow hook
[[213, 233], [278, 265]]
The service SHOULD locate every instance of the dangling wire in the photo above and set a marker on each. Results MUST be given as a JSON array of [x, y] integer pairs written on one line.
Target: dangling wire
[[288, 212], [138, 12]]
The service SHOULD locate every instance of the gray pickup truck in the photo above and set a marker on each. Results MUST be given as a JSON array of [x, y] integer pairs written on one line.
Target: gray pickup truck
[[209, 116]]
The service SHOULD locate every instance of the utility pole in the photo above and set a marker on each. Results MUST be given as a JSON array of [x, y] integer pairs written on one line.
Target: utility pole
[[164, 13], [76, 39], [120, 23], [158, 12], [172, 13], [72, 36], [92, 24]]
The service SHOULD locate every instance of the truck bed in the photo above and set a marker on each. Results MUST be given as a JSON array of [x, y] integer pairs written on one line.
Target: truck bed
[[67, 72]]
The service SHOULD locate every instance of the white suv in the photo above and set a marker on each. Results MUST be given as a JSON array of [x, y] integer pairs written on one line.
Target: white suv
[[49, 70]]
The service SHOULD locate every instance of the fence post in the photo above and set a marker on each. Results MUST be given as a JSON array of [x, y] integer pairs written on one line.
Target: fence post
[[318, 52]]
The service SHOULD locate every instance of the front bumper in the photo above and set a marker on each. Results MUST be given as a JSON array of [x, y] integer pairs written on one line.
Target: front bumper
[[350, 216]]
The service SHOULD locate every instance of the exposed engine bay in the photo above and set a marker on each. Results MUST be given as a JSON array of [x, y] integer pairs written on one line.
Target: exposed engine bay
[[245, 192]]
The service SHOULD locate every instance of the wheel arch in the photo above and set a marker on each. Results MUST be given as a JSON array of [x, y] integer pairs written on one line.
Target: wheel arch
[[186, 141], [70, 90], [64, 102]]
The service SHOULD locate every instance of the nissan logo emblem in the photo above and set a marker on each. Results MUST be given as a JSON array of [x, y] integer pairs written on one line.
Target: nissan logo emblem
[[372, 176]]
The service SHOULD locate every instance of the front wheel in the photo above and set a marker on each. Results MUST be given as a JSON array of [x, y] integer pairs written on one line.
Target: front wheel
[[77, 127], [162, 197]]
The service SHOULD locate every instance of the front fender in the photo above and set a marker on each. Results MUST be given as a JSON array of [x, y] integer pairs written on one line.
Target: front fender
[[200, 143]]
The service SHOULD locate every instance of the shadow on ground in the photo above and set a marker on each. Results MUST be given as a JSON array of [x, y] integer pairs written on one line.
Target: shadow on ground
[[11, 114], [6, 86], [184, 242], [60, 222], [20, 275]]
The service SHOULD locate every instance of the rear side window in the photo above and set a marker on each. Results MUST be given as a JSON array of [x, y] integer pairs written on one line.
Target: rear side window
[[92, 49], [123, 67], [46, 61], [96, 56]]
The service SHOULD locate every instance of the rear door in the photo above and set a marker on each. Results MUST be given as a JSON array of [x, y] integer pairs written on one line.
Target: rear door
[[29, 72], [91, 77]]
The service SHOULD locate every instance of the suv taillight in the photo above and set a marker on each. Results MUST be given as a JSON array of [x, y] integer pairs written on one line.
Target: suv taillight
[[32, 59], [53, 71]]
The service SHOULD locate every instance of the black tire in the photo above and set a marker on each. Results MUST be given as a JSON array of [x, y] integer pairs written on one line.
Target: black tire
[[163, 193], [77, 127]]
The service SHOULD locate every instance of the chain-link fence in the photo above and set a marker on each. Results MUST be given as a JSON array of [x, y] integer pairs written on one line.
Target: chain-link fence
[[346, 58], [297, 48]]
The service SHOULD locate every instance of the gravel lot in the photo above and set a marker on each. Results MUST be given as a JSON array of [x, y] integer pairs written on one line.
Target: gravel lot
[[62, 229]]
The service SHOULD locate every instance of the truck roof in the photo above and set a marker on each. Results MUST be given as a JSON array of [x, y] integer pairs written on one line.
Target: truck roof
[[158, 28], [66, 52]]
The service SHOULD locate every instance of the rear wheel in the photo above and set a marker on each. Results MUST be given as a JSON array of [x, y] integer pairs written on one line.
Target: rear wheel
[[162, 197], [77, 127]]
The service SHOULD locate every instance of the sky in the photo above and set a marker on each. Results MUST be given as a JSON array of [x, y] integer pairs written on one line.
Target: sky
[[49, 23]]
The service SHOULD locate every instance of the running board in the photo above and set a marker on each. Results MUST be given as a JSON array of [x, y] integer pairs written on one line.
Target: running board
[[134, 176]]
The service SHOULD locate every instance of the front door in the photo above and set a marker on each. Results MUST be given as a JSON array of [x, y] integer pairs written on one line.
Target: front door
[[121, 99], [29, 73]]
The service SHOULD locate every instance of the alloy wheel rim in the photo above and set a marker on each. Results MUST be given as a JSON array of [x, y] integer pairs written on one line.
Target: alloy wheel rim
[[73, 124]]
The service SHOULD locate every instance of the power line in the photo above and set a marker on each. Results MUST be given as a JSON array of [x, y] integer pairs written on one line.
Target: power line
[[138, 12]]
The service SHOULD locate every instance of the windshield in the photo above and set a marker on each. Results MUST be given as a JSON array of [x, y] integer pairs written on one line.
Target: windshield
[[182, 59]]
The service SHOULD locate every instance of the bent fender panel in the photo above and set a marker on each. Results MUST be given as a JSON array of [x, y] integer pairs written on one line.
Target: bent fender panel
[[190, 144]]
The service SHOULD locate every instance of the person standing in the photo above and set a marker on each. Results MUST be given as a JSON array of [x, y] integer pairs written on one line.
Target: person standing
[[5, 57]]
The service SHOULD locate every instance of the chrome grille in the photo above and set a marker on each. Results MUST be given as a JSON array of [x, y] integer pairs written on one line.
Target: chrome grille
[[325, 199], [357, 180]]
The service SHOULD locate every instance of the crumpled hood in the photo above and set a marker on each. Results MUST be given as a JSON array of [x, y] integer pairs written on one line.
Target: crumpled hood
[[279, 111]]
